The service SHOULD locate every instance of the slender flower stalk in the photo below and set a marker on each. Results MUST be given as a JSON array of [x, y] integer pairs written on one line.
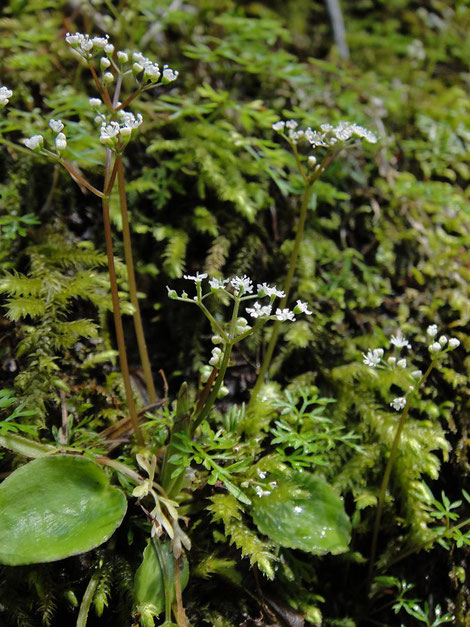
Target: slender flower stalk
[[388, 470], [139, 330], [334, 139]]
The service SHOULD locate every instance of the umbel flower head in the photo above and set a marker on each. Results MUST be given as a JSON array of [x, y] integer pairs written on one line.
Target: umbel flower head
[[328, 135]]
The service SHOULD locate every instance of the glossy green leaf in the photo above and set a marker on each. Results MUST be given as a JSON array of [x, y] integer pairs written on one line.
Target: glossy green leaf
[[149, 588], [55, 507], [303, 512]]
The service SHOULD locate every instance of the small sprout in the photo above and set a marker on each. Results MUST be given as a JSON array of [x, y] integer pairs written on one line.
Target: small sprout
[[171, 293]]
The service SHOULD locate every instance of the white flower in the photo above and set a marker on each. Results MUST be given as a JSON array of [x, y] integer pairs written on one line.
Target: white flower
[[302, 308], [312, 161], [259, 311], [109, 132], [218, 284], [95, 102], [279, 126], [284, 314], [435, 347], [401, 363], [100, 42], [197, 279], [242, 285], [109, 48], [5, 95], [152, 72], [137, 68], [169, 75], [104, 63], [139, 58], [260, 492], [60, 142], [108, 78], [454, 342], [216, 357], [443, 340], [130, 120], [56, 125], [392, 361], [432, 330], [123, 57], [292, 124], [74, 39], [373, 357], [399, 341], [269, 290], [34, 142], [417, 374], [398, 403]]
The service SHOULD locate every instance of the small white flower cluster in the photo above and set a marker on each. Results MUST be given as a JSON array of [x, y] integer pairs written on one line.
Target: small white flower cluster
[[327, 136], [36, 142], [374, 357], [243, 288], [5, 95], [87, 46], [443, 344], [113, 133]]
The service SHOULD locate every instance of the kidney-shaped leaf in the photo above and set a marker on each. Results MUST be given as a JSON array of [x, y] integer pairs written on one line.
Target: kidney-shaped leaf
[[55, 507], [303, 512]]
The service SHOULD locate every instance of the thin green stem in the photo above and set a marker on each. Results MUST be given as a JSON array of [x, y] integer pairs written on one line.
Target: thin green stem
[[118, 322], [388, 471], [139, 329], [205, 410], [287, 287], [87, 600]]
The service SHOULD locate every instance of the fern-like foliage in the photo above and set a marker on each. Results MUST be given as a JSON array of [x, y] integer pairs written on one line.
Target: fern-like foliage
[[226, 509], [43, 306]]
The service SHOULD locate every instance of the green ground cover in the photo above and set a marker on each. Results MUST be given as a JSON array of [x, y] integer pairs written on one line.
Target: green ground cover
[[326, 484]]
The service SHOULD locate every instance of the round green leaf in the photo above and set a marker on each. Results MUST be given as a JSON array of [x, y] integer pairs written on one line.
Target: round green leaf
[[303, 512], [55, 507]]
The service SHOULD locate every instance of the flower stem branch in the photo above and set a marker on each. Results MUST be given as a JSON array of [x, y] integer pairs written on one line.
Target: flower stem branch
[[139, 330], [388, 471], [287, 287]]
